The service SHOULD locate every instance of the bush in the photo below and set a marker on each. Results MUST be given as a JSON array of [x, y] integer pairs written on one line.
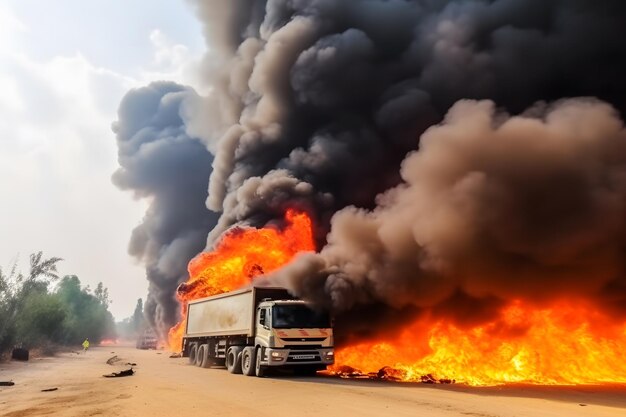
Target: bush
[[41, 320]]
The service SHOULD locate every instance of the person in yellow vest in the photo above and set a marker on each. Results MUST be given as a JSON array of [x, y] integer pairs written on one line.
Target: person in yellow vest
[[86, 345]]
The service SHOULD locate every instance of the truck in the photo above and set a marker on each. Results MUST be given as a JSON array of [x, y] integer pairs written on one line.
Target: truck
[[255, 330], [147, 340]]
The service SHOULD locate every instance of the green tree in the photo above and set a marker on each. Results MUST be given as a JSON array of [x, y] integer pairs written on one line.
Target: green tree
[[88, 315], [15, 289], [40, 321]]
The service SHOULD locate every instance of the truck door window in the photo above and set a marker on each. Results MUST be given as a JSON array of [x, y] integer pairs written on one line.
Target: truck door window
[[263, 319]]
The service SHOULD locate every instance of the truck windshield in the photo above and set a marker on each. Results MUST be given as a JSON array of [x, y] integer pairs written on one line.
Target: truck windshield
[[299, 317]]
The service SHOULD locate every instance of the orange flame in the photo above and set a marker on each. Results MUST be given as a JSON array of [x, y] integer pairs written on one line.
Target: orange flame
[[241, 255], [568, 343], [108, 342]]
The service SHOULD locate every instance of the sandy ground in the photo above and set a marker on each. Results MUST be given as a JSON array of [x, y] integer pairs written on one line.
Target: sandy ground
[[164, 387]]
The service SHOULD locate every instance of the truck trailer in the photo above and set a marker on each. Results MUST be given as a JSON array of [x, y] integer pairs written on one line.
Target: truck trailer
[[253, 330]]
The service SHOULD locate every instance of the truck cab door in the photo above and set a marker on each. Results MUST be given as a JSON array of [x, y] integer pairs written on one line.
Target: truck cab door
[[263, 328]]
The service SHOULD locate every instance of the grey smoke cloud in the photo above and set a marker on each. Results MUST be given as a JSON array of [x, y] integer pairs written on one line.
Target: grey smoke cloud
[[159, 161], [492, 206]]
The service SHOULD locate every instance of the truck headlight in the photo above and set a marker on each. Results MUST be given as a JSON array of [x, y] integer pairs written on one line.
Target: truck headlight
[[277, 355], [330, 355]]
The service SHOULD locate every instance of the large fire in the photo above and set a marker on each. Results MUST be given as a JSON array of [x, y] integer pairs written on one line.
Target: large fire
[[241, 255], [568, 342]]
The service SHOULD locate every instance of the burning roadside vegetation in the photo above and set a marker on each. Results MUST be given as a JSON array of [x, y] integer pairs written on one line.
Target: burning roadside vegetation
[[447, 178]]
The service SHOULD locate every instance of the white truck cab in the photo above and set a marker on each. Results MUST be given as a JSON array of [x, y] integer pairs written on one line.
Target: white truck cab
[[289, 332]]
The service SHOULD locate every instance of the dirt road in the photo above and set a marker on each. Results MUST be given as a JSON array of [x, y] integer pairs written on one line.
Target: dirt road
[[169, 387]]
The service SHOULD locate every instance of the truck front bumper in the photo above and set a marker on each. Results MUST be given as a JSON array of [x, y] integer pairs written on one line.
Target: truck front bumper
[[291, 357]]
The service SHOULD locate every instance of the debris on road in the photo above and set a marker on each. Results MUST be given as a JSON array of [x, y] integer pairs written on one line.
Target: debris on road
[[115, 359], [345, 371], [49, 389], [387, 373], [127, 372], [175, 355], [6, 383]]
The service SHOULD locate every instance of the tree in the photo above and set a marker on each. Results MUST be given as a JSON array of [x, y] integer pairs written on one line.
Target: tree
[[88, 315], [102, 295], [9, 288], [40, 321], [43, 267], [15, 289], [138, 317]]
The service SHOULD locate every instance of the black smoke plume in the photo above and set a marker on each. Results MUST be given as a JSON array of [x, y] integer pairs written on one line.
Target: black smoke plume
[[316, 103], [331, 95]]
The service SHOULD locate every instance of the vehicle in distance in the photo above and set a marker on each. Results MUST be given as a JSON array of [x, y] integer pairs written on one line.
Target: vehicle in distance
[[147, 340], [256, 329]]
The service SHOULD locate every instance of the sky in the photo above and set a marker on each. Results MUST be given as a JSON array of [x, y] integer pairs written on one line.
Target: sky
[[64, 67]]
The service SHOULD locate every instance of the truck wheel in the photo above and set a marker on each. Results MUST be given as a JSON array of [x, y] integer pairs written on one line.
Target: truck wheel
[[205, 360], [193, 353], [202, 352], [233, 360], [247, 361], [259, 369]]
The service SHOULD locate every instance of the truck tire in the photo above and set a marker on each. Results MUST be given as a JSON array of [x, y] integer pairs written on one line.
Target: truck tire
[[193, 353], [233, 359], [247, 361], [259, 370], [205, 360], [202, 352]]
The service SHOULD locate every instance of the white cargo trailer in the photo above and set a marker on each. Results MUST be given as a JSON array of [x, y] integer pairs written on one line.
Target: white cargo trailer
[[256, 329]]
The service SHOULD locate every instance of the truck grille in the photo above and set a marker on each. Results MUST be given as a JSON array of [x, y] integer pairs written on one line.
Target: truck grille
[[304, 356]]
